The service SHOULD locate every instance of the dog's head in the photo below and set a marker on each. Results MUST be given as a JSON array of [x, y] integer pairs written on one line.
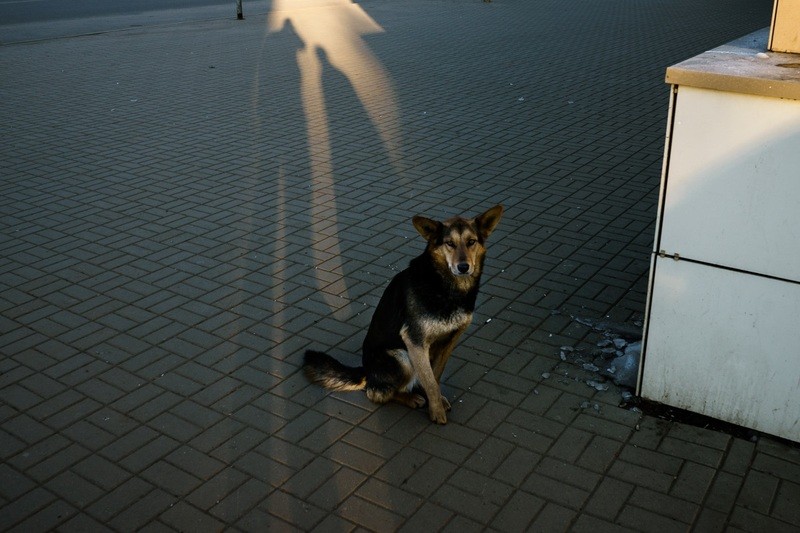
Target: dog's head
[[459, 244]]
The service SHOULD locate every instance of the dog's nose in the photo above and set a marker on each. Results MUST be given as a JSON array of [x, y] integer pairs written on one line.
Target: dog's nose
[[463, 268]]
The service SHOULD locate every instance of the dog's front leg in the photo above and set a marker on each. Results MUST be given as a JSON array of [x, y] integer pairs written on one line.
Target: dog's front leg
[[436, 402], [422, 367], [441, 353]]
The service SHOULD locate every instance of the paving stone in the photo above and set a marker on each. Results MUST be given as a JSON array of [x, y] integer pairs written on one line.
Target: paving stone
[[118, 499], [641, 475], [749, 520], [643, 520], [570, 444], [661, 504], [590, 523], [48, 518], [568, 473], [195, 462], [325, 435], [427, 478], [237, 503], [465, 504], [143, 510], [238, 444], [758, 492], [83, 522], [16, 483], [777, 467], [693, 482], [149, 453], [102, 472], [658, 462], [609, 498], [489, 455], [170, 478], [368, 515], [785, 506], [183, 515], [599, 454], [556, 490], [710, 520], [723, 492], [739, 457]]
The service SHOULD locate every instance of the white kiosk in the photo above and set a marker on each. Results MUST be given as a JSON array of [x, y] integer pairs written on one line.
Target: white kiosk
[[722, 328]]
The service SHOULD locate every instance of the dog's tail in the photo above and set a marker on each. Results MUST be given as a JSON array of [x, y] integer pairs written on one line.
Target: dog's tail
[[329, 373]]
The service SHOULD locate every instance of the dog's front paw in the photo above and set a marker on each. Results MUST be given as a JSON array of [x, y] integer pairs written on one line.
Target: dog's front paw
[[437, 415], [437, 410]]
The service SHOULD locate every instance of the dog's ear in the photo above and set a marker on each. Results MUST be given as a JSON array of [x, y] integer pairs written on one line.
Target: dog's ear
[[426, 227], [488, 221]]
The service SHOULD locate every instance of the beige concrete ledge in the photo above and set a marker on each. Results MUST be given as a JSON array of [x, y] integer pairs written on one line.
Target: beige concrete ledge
[[742, 66]]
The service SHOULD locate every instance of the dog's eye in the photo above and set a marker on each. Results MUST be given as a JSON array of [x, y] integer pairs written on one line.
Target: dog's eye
[[471, 243], [450, 244]]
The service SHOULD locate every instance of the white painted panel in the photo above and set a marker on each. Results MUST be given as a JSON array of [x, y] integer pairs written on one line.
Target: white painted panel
[[726, 345], [733, 182]]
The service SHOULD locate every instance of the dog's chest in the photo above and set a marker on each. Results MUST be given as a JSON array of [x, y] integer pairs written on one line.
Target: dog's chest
[[435, 327]]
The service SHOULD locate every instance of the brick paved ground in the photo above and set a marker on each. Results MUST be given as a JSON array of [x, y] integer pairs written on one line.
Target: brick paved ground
[[186, 208]]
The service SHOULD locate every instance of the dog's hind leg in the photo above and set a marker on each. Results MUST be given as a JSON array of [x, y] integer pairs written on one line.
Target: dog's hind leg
[[389, 375]]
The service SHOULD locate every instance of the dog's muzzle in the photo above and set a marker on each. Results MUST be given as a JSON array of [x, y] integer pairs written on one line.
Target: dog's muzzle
[[462, 268]]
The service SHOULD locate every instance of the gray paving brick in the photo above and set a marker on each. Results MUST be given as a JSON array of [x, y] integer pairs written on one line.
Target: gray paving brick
[[238, 444], [778, 467], [693, 482], [643, 520], [641, 475], [294, 511], [723, 492], [758, 492], [785, 505], [568, 473], [368, 515], [738, 457], [489, 455], [691, 451], [143, 511], [428, 516], [149, 453], [711, 521], [609, 498], [48, 518], [677, 509], [570, 445], [325, 435], [599, 454], [118, 499], [556, 490], [183, 515], [83, 522], [656, 461], [354, 457], [338, 487], [372, 443], [243, 498], [76, 490], [749, 520]]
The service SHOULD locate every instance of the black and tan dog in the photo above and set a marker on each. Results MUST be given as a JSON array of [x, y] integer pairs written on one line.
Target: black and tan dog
[[419, 319]]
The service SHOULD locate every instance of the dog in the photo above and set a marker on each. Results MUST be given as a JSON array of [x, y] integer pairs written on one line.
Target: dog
[[418, 320]]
